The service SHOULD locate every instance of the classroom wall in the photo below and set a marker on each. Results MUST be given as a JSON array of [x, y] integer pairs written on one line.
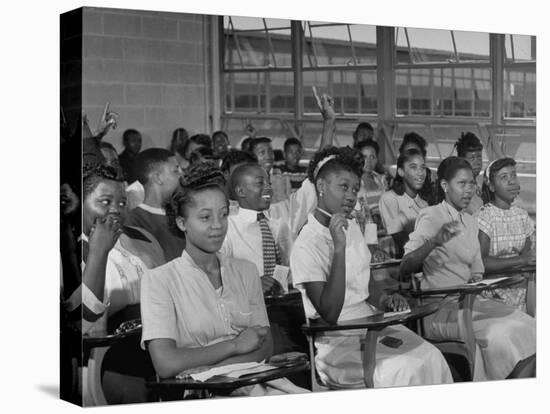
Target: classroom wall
[[152, 67]]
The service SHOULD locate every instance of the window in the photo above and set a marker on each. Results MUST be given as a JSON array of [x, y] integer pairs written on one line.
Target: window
[[520, 76]]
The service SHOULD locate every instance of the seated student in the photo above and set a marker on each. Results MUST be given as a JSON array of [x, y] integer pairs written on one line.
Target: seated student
[[364, 131], [192, 144], [201, 154], [505, 231], [469, 147], [291, 168], [373, 184], [330, 267], [159, 173], [177, 144], [233, 159], [111, 156], [262, 148], [115, 257], [205, 308], [445, 245], [400, 206], [131, 140], [220, 144], [412, 140]]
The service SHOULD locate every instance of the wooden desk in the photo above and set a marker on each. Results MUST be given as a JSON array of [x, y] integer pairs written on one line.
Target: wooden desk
[[173, 388], [374, 324]]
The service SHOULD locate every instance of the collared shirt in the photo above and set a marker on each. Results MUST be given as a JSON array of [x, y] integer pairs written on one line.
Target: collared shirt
[[311, 261], [456, 261], [399, 212], [179, 302], [244, 237], [135, 194]]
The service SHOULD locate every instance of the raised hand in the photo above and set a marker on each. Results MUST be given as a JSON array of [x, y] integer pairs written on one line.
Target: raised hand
[[108, 120], [104, 234], [325, 104], [250, 339], [447, 232]]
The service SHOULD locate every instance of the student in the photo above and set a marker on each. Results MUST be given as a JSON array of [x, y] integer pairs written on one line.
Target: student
[[412, 140], [330, 267], [192, 144], [177, 144], [220, 144], [204, 308], [445, 245], [505, 231], [159, 173], [400, 206], [110, 155], [469, 147], [201, 154], [364, 131], [291, 168], [131, 140], [373, 184], [233, 159], [262, 148], [115, 256]]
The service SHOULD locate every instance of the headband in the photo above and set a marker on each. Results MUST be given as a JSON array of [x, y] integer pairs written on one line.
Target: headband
[[321, 164], [487, 172]]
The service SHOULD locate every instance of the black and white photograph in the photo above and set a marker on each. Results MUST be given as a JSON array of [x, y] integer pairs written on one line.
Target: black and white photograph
[[292, 203]]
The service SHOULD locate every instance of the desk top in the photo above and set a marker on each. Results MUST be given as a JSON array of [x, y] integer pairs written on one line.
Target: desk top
[[469, 288], [108, 340], [376, 322], [221, 382]]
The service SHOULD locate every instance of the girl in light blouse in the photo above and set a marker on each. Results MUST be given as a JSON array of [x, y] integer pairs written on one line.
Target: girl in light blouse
[[444, 244]]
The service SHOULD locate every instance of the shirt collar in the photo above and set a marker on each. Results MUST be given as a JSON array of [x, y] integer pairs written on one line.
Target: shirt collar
[[251, 216], [454, 213], [153, 210]]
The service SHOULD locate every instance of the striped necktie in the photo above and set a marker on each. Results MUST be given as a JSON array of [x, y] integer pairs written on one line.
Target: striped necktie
[[269, 247]]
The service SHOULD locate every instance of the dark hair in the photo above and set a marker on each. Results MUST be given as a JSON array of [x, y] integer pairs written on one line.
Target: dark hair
[[345, 158], [148, 160], [201, 152], [414, 138], [107, 145], [257, 141], [126, 134], [235, 156], [398, 185], [467, 142], [93, 174], [292, 141], [199, 177], [494, 168], [202, 139], [220, 132], [447, 171], [369, 143], [245, 144], [179, 137], [361, 125]]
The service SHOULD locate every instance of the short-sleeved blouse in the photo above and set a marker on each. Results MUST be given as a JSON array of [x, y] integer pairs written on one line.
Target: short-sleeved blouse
[[399, 211], [311, 261], [179, 302], [507, 229], [456, 261]]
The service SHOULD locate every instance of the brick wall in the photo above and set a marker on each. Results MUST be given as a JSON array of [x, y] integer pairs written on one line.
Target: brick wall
[[151, 66]]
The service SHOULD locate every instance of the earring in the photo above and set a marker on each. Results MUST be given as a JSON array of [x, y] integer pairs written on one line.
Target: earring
[[321, 194]]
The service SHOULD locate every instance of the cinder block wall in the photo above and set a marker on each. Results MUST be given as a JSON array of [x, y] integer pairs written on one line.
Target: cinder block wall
[[151, 66]]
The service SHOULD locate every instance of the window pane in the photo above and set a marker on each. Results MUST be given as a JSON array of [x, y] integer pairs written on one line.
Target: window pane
[[520, 48], [354, 92], [435, 45], [520, 92], [447, 92], [249, 44], [259, 92], [328, 44]]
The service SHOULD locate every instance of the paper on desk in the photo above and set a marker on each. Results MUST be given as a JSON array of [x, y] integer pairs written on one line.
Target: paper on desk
[[488, 282], [232, 370], [390, 314]]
